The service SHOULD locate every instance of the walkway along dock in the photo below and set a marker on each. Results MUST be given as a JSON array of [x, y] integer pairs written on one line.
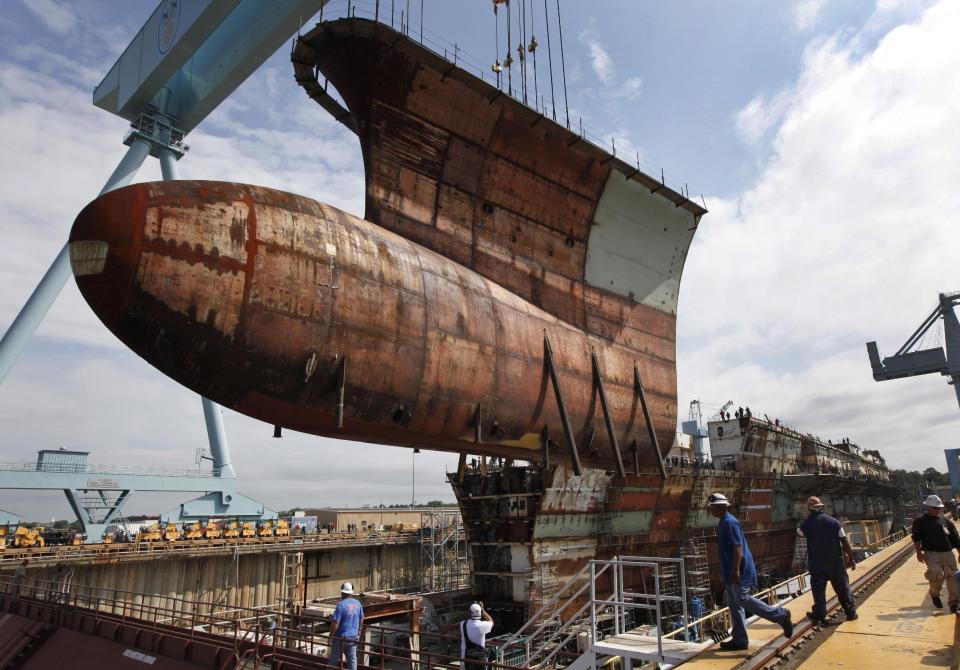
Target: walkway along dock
[[897, 627]]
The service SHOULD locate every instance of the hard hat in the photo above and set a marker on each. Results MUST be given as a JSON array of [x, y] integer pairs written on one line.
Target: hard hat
[[475, 611], [933, 501], [813, 502], [718, 499], [347, 588]]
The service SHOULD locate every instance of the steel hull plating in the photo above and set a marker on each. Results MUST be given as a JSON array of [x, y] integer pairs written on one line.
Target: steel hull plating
[[254, 298], [531, 530]]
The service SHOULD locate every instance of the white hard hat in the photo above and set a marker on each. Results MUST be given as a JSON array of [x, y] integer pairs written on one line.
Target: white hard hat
[[475, 611], [718, 499], [933, 501], [347, 588]]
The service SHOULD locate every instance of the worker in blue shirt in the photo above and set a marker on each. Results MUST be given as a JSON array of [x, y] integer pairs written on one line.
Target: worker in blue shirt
[[345, 629], [827, 547], [740, 576]]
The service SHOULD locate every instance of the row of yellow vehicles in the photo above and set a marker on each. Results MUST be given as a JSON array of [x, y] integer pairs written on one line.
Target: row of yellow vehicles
[[25, 537], [212, 530]]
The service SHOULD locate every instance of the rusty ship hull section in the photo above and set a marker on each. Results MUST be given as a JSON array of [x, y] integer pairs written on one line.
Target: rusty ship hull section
[[489, 230], [255, 298]]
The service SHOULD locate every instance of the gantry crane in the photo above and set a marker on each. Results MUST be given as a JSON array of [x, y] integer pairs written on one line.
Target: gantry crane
[[910, 361]]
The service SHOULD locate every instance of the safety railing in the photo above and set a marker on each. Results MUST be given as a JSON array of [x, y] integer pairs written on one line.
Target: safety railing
[[83, 552], [624, 599], [537, 632], [101, 469], [719, 620], [262, 634]]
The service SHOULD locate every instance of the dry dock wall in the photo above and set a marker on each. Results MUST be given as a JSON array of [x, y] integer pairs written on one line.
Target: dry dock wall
[[229, 580]]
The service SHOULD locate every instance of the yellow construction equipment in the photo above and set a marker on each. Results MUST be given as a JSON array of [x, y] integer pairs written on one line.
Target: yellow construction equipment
[[28, 537], [283, 528], [233, 530], [249, 529], [193, 532], [266, 528], [171, 533], [151, 533], [211, 530]]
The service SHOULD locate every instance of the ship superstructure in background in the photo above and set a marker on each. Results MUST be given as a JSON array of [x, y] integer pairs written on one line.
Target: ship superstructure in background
[[753, 444], [511, 293]]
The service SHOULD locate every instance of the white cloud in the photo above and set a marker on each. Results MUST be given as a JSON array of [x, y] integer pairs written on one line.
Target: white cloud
[[56, 16], [599, 58], [806, 13], [846, 236], [629, 89], [761, 115]]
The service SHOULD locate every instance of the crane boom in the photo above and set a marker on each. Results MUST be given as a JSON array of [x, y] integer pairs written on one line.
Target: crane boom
[[909, 362]]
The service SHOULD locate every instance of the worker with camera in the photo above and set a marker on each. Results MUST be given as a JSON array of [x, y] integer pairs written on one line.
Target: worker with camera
[[473, 637]]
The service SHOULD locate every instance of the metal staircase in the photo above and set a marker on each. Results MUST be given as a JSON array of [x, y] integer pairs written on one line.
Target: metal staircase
[[596, 613]]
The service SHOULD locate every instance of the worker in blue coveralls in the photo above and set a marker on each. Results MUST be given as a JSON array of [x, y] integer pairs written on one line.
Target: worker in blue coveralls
[[829, 554], [740, 576], [345, 630]]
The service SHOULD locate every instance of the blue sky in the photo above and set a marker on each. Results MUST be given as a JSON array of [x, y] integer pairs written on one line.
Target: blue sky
[[822, 136]]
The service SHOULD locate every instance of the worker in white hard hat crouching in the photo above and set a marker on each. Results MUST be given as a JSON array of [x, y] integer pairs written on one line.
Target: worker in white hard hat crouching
[[935, 540], [473, 636], [345, 629]]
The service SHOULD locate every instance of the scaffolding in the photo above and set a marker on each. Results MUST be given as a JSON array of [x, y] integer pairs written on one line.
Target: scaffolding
[[698, 571], [443, 552]]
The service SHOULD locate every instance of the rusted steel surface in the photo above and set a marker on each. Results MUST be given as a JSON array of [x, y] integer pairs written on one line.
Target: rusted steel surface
[[557, 521], [483, 180], [252, 297]]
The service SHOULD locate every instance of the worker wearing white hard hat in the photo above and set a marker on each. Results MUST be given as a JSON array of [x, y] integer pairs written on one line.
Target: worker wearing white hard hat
[[739, 575], [345, 628], [473, 636], [935, 539]]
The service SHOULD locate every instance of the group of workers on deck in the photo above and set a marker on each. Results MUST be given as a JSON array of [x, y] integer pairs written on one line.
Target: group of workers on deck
[[829, 555]]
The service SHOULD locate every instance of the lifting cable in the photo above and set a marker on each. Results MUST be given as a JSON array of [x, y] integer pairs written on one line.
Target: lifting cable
[[564, 66], [508, 61], [546, 18], [533, 50], [522, 47]]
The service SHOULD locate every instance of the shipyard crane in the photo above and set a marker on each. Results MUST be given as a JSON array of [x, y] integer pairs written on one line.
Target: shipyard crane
[[910, 361], [719, 415]]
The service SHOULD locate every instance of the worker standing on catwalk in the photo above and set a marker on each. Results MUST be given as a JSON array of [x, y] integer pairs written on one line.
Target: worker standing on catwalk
[[740, 576], [935, 540], [827, 547]]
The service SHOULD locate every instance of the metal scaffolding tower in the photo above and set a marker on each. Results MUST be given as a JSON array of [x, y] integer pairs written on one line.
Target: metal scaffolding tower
[[910, 361], [443, 552]]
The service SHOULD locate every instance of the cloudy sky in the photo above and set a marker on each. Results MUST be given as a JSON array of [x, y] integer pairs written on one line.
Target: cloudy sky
[[822, 136]]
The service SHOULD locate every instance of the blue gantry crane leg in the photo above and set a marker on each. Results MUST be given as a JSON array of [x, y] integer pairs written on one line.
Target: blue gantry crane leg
[[182, 64], [910, 361]]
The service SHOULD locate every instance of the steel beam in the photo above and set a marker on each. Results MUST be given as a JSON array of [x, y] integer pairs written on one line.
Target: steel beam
[[598, 384], [53, 281], [646, 416], [564, 420]]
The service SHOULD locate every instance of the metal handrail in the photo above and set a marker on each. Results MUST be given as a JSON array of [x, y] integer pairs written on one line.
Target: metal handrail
[[98, 469], [768, 593], [518, 636], [247, 545]]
